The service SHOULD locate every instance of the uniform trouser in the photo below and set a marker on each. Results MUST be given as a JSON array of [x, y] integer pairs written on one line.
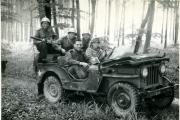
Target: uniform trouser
[[44, 49]]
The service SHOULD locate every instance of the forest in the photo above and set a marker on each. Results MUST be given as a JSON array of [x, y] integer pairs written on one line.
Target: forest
[[138, 26]]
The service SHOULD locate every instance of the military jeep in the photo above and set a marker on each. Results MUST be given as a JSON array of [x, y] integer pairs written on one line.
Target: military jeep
[[125, 81]]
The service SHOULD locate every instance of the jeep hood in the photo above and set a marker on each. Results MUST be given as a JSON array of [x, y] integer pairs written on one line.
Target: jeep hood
[[133, 59]]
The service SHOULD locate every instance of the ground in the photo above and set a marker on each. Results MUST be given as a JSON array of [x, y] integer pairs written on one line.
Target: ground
[[19, 96]]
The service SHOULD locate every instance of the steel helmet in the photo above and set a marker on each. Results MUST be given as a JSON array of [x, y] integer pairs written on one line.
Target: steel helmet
[[72, 30], [45, 19], [86, 33]]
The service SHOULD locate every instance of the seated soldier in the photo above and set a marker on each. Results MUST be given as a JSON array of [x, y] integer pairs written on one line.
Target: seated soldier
[[66, 43], [77, 58], [94, 50], [86, 38], [47, 34]]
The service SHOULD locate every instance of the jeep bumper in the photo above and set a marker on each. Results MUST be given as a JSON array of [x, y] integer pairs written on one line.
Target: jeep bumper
[[151, 93]]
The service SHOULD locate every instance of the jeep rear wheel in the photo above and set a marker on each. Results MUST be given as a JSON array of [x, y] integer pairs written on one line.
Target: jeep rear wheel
[[52, 89], [123, 99], [163, 100]]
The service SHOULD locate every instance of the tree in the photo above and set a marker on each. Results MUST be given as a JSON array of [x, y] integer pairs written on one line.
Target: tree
[[165, 42], [109, 17], [124, 10], [78, 18], [93, 3], [54, 17], [141, 31], [176, 22], [72, 15], [162, 28], [44, 8], [149, 27]]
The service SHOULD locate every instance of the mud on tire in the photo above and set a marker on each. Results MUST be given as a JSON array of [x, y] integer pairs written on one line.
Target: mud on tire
[[52, 89], [123, 99]]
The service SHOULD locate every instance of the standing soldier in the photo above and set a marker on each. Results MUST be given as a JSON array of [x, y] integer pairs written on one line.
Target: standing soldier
[[86, 38], [47, 35]]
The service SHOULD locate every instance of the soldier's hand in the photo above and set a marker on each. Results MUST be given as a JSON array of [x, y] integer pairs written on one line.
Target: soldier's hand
[[43, 40], [63, 50], [83, 64]]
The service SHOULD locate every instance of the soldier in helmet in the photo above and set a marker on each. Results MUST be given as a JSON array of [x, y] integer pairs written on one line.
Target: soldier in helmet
[[66, 43], [86, 37], [94, 50], [47, 35]]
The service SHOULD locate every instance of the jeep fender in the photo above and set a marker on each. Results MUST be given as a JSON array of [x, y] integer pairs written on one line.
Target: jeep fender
[[107, 82], [60, 73]]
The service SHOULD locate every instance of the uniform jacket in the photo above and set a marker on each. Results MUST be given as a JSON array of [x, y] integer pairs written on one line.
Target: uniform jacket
[[66, 43], [74, 57]]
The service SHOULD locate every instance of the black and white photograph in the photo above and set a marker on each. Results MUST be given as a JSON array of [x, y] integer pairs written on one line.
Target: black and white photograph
[[90, 59]]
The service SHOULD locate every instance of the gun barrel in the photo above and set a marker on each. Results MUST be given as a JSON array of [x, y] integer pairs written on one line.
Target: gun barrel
[[39, 39]]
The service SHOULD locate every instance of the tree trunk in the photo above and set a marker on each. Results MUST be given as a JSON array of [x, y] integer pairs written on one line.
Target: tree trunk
[[109, 17], [54, 17], [93, 3], [124, 10], [72, 15], [149, 27], [176, 24], [144, 1], [78, 18], [140, 34], [44, 8], [165, 42], [120, 30], [31, 24], [162, 28]]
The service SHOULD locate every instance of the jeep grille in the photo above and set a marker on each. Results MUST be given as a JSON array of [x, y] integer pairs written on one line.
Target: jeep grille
[[153, 75]]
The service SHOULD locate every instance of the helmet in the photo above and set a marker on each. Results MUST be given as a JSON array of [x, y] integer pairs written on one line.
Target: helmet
[[86, 33], [72, 30], [45, 19]]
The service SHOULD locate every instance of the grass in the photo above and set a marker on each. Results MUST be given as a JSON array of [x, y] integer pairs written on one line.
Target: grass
[[19, 97]]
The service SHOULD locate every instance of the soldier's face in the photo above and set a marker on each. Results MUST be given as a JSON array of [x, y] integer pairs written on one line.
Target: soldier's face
[[86, 36], [78, 45], [45, 25], [95, 45], [71, 35]]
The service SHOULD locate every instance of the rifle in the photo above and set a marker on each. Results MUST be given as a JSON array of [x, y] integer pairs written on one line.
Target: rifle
[[39, 39], [35, 38]]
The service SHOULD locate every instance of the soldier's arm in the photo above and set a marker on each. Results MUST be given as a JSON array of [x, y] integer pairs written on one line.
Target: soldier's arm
[[37, 35], [70, 60]]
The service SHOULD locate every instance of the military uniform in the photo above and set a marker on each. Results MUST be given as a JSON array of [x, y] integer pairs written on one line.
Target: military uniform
[[44, 47], [74, 57], [85, 43], [66, 43], [100, 54]]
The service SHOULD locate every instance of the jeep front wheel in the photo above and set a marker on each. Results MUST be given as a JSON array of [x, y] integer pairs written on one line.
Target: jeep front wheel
[[52, 89], [123, 99]]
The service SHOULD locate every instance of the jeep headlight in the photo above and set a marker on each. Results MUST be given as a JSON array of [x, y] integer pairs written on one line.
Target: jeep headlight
[[144, 72], [162, 68]]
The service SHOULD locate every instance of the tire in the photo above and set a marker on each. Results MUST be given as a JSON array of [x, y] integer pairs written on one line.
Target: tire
[[52, 89], [123, 99], [164, 100]]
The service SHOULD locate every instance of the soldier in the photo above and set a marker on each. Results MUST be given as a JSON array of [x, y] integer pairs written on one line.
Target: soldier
[[77, 57], [94, 50], [47, 34], [66, 43], [86, 38]]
